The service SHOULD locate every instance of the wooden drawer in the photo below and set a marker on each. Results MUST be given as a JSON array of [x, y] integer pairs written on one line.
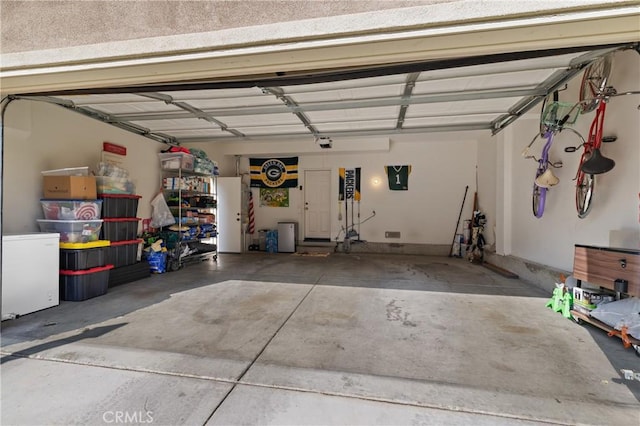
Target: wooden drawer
[[601, 266]]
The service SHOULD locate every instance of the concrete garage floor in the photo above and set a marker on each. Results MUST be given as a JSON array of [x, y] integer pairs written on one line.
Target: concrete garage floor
[[287, 339]]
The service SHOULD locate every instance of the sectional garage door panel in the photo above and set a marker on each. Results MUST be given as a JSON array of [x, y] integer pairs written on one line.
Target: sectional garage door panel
[[422, 98]]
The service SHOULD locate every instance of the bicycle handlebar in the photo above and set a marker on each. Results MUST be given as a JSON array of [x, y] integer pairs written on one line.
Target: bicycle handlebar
[[604, 95]]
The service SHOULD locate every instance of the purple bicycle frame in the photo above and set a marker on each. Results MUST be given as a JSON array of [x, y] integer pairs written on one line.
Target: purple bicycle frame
[[543, 164]]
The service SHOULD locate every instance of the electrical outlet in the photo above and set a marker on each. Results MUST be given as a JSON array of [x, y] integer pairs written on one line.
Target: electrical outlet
[[391, 234]]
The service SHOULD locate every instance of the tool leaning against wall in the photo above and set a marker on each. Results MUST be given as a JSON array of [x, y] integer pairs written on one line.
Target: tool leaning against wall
[[475, 249]]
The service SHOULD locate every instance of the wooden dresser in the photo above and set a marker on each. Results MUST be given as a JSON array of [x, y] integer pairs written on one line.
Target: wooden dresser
[[601, 266]]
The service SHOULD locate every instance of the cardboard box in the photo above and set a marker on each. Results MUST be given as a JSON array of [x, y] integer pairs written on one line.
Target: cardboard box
[[69, 187]]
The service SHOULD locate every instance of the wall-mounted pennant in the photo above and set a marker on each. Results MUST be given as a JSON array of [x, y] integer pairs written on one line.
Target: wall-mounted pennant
[[274, 172], [349, 184], [398, 177]]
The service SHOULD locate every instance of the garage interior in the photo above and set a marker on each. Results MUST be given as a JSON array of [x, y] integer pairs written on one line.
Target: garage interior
[[393, 332]]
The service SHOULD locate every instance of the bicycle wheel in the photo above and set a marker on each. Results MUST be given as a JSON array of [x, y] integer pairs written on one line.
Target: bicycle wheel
[[585, 185], [539, 197], [594, 81]]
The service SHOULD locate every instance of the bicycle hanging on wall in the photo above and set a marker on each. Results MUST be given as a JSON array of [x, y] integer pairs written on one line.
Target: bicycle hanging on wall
[[554, 116], [594, 94]]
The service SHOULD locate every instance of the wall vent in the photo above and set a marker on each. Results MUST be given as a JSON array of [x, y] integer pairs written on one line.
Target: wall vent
[[391, 234]]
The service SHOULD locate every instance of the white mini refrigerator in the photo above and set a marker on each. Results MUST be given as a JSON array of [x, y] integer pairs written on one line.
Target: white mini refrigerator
[[287, 232], [30, 280]]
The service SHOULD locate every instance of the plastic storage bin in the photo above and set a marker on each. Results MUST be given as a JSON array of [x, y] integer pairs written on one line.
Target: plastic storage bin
[[120, 229], [71, 209], [119, 205], [82, 285], [123, 253], [115, 185], [176, 161], [69, 171], [78, 256], [73, 231], [129, 273]]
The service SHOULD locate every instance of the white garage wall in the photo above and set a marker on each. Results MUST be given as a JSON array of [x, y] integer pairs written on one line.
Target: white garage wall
[[550, 240], [442, 165], [40, 136]]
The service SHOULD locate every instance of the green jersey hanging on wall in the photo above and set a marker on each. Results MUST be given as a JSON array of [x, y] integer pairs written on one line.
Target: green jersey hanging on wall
[[398, 177]]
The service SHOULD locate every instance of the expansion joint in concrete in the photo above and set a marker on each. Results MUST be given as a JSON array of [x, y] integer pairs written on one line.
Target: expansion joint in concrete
[[239, 379]]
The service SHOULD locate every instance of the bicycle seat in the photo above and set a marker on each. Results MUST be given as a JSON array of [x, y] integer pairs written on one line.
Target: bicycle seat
[[547, 179], [597, 163]]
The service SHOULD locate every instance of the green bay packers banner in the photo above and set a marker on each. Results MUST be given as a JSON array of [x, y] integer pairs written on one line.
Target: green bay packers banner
[[274, 172], [398, 177], [349, 184]]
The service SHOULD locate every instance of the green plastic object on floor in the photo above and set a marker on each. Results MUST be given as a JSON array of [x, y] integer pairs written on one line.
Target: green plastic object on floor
[[567, 304], [561, 301], [556, 301]]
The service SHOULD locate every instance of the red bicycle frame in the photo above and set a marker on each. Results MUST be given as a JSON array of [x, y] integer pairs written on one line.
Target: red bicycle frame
[[595, 137]]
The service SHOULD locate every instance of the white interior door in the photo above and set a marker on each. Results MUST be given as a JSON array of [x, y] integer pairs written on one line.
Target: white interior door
[[229, 217], [317, 204]]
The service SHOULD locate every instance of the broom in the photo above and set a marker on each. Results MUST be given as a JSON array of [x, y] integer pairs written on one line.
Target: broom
[[455, 232]]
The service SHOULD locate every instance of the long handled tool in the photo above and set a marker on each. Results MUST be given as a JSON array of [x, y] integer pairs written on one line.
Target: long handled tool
[[455, 232]]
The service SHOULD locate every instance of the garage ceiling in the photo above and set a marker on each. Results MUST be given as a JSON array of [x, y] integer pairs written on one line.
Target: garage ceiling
[[480, 93]]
